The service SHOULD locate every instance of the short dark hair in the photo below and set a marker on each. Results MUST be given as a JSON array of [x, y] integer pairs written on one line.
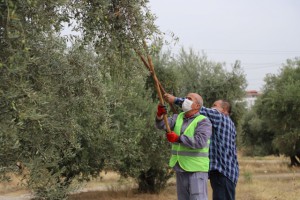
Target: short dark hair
[[226, 106]]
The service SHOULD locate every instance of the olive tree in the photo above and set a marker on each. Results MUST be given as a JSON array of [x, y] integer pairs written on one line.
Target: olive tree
[[53, 100], [256, 138], [196, 73], [279, 109]]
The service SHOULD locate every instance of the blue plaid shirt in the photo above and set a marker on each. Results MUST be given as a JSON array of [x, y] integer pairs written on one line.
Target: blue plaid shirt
[[222, 149]]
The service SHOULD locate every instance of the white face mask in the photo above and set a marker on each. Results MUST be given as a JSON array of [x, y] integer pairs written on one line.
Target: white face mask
[[187, 105]]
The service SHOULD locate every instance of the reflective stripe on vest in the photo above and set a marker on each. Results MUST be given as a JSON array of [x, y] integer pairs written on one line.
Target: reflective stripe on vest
[[192, 154], [189, 159]]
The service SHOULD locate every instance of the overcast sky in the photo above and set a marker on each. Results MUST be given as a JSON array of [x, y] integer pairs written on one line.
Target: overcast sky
[[262, 34]]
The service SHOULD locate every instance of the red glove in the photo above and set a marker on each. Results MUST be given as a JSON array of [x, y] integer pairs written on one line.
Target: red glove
[[161, 110], [172, 137]]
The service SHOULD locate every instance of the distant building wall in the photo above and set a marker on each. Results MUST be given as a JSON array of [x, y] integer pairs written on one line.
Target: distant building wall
[[250, 98]]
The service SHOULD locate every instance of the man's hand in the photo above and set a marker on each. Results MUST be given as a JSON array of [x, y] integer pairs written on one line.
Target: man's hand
[[161, 110], [169, 98], [172, 137]]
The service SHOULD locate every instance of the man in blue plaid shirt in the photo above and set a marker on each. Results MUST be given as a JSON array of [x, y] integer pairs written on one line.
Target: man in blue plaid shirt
[[224, 167]]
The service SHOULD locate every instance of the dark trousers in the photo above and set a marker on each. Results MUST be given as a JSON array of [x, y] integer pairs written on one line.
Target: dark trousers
[[223, 188]]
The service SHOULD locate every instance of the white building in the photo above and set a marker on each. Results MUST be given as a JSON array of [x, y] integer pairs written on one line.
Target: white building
[[251, 96]]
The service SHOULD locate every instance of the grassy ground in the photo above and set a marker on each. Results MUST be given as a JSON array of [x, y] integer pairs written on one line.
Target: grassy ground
[[261, 178], [256, 190]]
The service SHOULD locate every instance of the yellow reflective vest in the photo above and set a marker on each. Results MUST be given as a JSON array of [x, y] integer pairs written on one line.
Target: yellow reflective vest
[[190, 160]]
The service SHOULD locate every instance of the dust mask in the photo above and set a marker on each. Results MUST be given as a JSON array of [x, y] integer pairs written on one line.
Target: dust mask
[[187, 105]]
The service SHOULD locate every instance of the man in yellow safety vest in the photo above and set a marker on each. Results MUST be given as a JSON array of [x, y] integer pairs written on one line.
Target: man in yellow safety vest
[[190, 138]]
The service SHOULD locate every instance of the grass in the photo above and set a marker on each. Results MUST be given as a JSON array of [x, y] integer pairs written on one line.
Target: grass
[[261, 178], [266, 189], [257, 189]]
